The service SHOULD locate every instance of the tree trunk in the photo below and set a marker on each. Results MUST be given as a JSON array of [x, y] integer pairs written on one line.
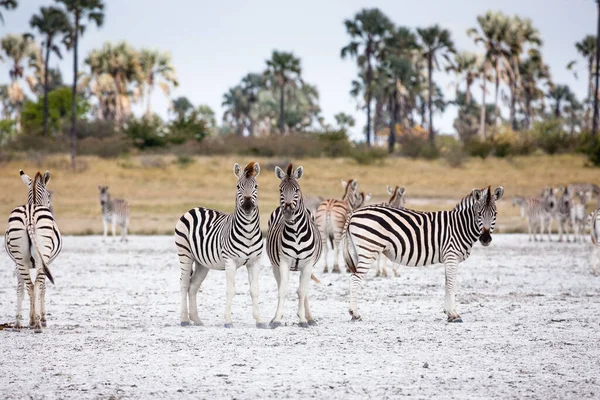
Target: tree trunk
[[468, 94], [482, 132], [430, 97], [74, 94], [497, 82], [282, 109], [369, 79], [528, 112], [48, 46], [557, 109], [392, 137], [595, 119], [149, 104]]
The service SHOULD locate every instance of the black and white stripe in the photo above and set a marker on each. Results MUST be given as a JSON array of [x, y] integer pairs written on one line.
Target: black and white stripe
[[115, 212], [415, 238], [208, 239], [33, 241], [293, 244], [397, 200], [594, 222], [538, 211]]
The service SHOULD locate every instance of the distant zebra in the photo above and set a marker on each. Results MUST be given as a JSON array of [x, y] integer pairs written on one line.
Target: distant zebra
[[32, 240], [563, 214], [331, 218], [312, 203], [578, 220], [208, 239], [538, 212], [115, 212], [581, 189], [293, 244], [397, 201], [415, 238], [594, 220]]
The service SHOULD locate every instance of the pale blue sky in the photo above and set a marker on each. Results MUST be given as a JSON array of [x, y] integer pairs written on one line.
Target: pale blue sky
[[215, 43]]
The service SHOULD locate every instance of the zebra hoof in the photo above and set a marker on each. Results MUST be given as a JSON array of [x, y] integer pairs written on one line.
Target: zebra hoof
[[336, 271], [312, 322], [185, 323], [228, 326], [275, 324], [37, 330], [261, 325], [303, 324], [44, 324], [356, 318], [455, 319]]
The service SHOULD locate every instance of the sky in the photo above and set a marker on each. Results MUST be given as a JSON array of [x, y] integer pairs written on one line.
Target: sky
[[215, 43]]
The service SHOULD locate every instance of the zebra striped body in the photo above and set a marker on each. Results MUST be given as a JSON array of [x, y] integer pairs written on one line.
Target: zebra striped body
[[293, 244], [397, 200], [331, 217], [312, 203], [414, 238], [563, 214], [578, 221], [538, 212], [208, 239], [33, 241], [583, 190], [594, 220], [115, 212]]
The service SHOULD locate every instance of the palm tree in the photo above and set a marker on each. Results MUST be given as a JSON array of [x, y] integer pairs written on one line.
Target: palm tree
[[156, 65], [484, 72], [493, 27], [434, 41], [7, 5], [559, 94], [283, 69], [344, 121], [235, 109], [16, 48], [520, 32], [180, 106], [587, 48], [51, 22], [81, 10], [532, 71], [368, 31], [465, 66], [252, 84]]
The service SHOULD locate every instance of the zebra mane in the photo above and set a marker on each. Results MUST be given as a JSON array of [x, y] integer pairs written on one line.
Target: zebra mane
[[290, 170], [345, 196], [249, 170], [468, 201], [38, 181]]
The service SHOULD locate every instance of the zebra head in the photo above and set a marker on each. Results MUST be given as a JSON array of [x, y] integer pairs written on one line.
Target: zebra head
[[485, 210], [290, 196], [38, 193], [550, 198], [247, 187], [397, 200], [351, 193], [104, 195]]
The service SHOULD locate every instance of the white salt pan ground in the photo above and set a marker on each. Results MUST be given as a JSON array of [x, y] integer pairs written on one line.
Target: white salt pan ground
[[531, 330]]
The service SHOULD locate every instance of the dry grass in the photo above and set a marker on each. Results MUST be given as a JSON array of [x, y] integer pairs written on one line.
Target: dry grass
[[161, 191]]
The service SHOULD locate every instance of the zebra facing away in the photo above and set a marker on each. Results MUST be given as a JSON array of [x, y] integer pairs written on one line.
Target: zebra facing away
[[594, 219], [331, 217], [208, 239], [32, 240], [293, 244], [415, 238], [115, 212], [397, 201]]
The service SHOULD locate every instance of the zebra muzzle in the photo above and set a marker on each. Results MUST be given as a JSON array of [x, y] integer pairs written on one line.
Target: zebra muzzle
[[486, 238], [247, 204]]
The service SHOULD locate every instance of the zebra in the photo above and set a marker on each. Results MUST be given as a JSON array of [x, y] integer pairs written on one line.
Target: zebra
[[331, 216], [293, 244], [537, 211], [312, 203], [33, 241], [415, 238], [114, 211], [563, 212], [208, 239], [583, 189], [397, 201], [578, 216], [594, 221]]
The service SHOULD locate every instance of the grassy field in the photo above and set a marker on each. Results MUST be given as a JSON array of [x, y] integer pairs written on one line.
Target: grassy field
[[160, 189]]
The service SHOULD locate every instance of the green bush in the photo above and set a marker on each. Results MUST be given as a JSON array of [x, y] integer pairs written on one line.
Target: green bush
[[145, 132], [368, 155], [591, 147], [551, 137], [334, 143], [104, 147]]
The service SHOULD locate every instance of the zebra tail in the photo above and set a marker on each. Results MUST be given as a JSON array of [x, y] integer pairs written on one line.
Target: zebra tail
[[314, 278], [31, 233], [328, 228], [350, 255]]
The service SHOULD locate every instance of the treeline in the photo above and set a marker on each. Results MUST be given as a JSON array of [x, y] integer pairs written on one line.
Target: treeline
[[395, 86]]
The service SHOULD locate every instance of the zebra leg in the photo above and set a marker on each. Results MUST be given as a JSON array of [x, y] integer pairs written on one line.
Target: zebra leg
[[196, 280], [309, 317], [305, 274], [185, 264], [230, 269], [105, 224], [337, 253], [37, 324], [43, 301], [20, 294], [253, 274], [451, 267], [124, 231], [356, 281], [395, 269], [325, 255], [114, 226], [282, 274], [560, 231], [378, 273]]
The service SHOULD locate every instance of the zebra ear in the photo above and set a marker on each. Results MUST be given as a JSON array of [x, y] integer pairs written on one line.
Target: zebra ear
[[46, 177], [389, 190], [367, 198], [401, 191], [354, 184], [279, 173], [237, 170], [256, 169], [299, 173], [498, 193], [344, 184], [25, 178], [477, 194]]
